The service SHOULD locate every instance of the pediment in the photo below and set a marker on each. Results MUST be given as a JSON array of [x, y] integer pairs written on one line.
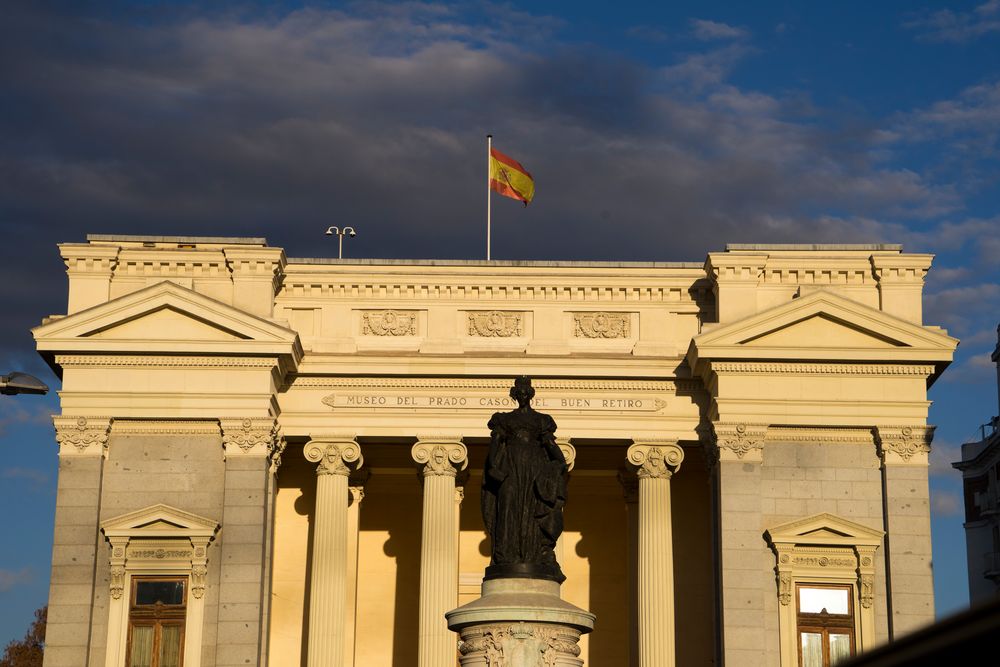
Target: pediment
[[823, 326], [159, 521], [166, 318], [824, 529]]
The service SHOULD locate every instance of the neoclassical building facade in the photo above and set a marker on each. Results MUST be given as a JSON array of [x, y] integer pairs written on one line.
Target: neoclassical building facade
[[277, 461]]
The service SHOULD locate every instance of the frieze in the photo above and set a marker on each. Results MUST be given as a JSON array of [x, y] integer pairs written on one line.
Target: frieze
[[602, 325], [389, 323], [663, 386], [496, 324], [785, 368], [825, 561], [143, 361], [422, 401], [160, 554], [493, 641]]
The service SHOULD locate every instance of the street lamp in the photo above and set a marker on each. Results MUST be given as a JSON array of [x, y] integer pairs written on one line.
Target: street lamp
[[21, 383], [349, 231]]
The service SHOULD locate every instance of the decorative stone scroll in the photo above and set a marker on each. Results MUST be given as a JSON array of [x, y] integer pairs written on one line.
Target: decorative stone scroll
[[82, 435], [739, 441], [904, 444], [496, 324], [440, 456], [602, 325], [334, 456], [389, 323]]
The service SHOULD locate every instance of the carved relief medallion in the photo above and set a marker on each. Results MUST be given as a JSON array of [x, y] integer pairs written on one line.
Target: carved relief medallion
[[601, 325], [389, 323], [496, 324]]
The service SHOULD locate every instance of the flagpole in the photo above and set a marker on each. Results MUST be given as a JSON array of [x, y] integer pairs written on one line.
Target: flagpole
[[489, 152]]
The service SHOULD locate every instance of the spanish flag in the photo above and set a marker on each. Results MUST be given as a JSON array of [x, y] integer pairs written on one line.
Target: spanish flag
[[509, 178]]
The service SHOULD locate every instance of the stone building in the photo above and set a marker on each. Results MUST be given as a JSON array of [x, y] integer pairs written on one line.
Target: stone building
[[245, 443], [980, 466]]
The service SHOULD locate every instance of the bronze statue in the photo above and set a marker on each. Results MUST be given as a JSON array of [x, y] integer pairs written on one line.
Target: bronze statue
[[524, 491]]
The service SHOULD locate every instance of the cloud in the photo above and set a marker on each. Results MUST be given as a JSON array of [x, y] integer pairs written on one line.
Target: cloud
[[941, 457], [949, 26], [712, 30], [11, 578], [18, 411], [959, 307], [945, 503], [36, 477], [976, 369]]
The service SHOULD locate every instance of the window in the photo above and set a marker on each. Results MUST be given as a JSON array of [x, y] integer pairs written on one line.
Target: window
[[825, 620], [157, 609]]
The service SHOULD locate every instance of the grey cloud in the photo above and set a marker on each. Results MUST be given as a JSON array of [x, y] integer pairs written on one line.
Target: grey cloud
[[711, 30], [945, 503], [950, 26], [11, 578], [281, 125]]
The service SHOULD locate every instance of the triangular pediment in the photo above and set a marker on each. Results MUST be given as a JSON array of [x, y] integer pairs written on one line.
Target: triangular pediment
[[159, 521], [823, 326], [170, 319], [825, 530]]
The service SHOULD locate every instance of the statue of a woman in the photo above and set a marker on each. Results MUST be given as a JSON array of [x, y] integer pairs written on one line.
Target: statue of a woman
[[524, 490]]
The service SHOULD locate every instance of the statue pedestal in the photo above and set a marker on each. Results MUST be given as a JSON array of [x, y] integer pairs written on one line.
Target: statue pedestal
[[520, 623]]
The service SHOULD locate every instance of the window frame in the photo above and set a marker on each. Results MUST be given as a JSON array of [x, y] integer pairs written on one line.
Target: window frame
[[157, 616], [823, 623]]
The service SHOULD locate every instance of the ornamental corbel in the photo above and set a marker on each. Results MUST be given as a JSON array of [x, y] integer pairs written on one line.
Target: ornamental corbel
[[117, 582], [655, 459], [739, 441], [904, 445], [784, 571], [336, 455], [199, 566], [440, 455], [250, 436], [82, 436]]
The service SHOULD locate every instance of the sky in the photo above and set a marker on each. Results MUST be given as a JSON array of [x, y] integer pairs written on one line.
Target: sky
[[654, 131]]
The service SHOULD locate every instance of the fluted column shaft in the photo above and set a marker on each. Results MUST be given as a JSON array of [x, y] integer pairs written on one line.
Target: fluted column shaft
[[440, 460], [328, 588], [656, 462]]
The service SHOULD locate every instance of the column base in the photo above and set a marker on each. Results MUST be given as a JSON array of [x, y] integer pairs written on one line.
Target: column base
[[520, 623]]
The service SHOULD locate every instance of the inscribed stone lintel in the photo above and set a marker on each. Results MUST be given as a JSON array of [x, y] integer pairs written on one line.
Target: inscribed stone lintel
[[567, 402]]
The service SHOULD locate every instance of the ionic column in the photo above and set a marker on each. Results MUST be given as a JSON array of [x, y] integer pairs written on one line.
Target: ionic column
[[656, 461], [336, 457], [440, 460]]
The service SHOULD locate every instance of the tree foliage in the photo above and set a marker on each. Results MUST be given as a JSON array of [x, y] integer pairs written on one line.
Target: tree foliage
[[28, 651]]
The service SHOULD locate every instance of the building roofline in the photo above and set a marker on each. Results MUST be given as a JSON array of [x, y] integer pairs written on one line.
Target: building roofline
[[494, 263], [132, 238], [759, 247]]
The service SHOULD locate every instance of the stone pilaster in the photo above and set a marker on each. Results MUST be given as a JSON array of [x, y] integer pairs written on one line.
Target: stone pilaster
[[251, 447], [656, 461], [82, 449], [904, 451], [440, 460], [335, 457]]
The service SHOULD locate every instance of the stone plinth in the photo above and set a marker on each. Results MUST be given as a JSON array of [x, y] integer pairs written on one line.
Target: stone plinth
[[520, 623]]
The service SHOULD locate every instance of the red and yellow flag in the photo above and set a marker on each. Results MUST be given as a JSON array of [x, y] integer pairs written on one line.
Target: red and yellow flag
[[509, 178]]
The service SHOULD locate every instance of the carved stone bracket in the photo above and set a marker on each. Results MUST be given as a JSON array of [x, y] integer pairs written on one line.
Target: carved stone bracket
[[496, 324], [440, 455], [739, 441], [335, 455], [904, 445], [86, 436], [655, 459]]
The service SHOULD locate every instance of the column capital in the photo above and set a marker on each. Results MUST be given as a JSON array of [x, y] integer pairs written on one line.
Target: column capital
[[568, 451], [903, 445], [739, 441], [82, 436], [440, 455], [250, 436], [336, 455], [654, 458]]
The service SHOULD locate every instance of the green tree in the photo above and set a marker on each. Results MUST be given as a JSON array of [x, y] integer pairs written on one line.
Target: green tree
[[28, 652]]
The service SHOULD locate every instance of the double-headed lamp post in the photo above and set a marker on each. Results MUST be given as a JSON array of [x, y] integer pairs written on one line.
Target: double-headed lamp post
[[341, 233], [21, 383]]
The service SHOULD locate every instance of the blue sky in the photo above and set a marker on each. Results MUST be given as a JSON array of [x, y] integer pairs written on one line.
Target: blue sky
[[655, 131]]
